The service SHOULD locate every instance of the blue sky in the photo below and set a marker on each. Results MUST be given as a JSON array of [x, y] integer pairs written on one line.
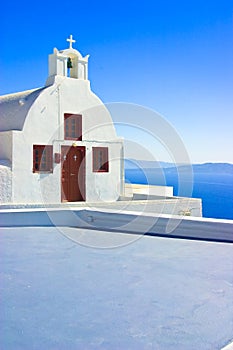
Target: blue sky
[[174, 57]]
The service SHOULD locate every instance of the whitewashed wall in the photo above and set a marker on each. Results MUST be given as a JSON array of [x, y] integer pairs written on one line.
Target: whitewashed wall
[[6, 145], [5, 167], [45, 125]]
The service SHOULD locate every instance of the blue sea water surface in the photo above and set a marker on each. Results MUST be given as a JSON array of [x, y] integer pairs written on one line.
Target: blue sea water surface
[[215, 190]]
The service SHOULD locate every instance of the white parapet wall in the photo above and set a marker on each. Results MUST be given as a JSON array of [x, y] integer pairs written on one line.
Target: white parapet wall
[[181, 206], [148, 190], [170, 226], [228, 347]]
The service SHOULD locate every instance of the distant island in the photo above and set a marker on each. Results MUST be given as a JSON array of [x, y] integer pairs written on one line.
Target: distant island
[[220, 168]]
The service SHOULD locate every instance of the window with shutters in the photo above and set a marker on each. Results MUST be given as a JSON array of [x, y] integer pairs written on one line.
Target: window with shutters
[[100, 159], [73, 127], [42, 159]]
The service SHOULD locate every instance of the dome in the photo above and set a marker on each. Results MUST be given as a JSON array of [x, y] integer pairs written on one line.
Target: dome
[[15, 108]]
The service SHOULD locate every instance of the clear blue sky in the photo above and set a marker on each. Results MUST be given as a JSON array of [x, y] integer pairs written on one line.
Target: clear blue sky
[[175, 57]]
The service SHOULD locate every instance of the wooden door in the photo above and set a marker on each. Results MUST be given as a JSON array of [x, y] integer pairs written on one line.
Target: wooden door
[[72, 174]]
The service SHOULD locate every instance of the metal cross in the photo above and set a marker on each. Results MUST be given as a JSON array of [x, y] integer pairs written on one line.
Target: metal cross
[[71, 41]]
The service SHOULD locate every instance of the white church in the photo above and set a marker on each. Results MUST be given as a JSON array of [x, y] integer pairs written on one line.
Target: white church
[[58, 143]]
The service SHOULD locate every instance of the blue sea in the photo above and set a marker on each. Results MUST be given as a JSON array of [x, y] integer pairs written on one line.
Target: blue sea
[[215, 190]]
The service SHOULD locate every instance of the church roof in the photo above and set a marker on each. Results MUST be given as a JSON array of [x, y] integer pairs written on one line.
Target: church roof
[[14, 108]]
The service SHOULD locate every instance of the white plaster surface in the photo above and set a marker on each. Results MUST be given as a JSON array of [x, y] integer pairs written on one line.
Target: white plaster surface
[[15, 107], [5, 181], [148, 190], [156, 293], [6, 145]]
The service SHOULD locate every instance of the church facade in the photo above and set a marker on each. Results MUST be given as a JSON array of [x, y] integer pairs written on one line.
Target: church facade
[[58, 143]]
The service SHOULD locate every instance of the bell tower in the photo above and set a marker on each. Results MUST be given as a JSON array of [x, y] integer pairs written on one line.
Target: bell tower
[[68, 63]]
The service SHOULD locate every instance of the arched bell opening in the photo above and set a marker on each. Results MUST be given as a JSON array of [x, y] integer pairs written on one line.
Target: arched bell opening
[[72, 66]]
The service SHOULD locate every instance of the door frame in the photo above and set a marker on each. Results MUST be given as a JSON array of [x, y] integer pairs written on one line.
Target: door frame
[[82, 185]]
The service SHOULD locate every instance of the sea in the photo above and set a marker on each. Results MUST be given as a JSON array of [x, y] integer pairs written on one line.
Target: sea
[[215, 190]]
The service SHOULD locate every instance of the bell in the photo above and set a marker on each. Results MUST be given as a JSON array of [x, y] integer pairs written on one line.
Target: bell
[[69, 63]]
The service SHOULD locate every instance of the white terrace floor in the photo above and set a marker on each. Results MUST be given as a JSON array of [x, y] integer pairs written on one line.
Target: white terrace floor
[[155, 293]]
